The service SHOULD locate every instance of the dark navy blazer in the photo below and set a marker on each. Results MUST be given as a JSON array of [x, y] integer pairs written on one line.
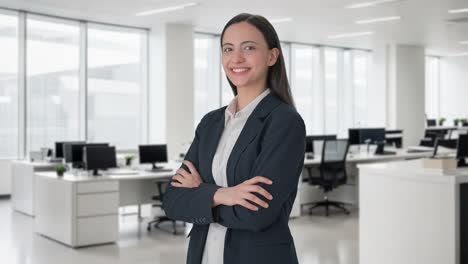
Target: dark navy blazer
[[272, 145]]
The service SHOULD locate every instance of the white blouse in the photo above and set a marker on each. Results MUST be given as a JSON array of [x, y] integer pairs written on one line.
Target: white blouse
[[233, 125]]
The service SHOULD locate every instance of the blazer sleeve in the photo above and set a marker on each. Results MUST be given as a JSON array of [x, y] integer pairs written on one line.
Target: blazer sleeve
[[281, 159], [192, 205]]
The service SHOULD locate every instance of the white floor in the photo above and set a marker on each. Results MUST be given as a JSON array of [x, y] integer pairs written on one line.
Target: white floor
[[319, 240]]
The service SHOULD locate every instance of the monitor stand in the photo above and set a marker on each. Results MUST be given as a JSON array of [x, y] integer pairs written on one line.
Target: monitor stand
[[156, 168], [462, 163], [96, 173]]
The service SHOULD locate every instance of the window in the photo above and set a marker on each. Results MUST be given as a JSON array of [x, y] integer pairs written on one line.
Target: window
[[305, 86], [332, 59], [52, 100], [9, 85], [361, 60], [207, 75], [115, 98]]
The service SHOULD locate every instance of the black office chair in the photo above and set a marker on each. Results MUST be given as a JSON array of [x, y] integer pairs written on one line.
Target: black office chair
[[158, 199], [430, 137], [332, 172]]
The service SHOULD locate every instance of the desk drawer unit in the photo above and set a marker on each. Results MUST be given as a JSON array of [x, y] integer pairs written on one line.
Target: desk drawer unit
[[96, 187], [97, 207], [97, 204], [97, 230]]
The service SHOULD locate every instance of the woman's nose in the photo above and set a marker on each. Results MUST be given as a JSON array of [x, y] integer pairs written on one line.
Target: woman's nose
[[238, 56]]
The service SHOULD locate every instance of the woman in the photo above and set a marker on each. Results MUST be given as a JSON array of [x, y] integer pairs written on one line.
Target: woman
[[239, 180]]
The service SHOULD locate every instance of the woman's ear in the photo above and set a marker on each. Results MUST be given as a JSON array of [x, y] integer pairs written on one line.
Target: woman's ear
[[273, 56]]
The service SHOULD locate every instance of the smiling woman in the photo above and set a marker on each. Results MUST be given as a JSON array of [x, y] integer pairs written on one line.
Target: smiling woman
[[239, 180]]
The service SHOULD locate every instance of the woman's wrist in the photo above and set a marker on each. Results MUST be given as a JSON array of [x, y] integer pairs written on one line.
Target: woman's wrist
[[217, 197]]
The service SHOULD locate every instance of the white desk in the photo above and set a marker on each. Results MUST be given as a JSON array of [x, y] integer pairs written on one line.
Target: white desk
[[349, 193], [83, 210], [409, 214], [363, 156], [22, 173]]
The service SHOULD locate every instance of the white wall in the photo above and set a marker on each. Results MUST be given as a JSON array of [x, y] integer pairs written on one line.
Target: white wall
[[157, 85], [406, 93], [453, 88], [377, 87], [179, 87], [5, 177]]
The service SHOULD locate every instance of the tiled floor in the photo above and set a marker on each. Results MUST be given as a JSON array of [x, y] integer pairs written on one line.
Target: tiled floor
[[319, 240]]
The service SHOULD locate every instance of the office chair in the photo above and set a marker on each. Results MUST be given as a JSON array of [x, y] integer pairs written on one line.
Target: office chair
[[430, 137], [158, 199], [332, 172]]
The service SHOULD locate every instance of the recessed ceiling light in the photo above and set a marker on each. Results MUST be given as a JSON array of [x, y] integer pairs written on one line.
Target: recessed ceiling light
[[458, 54], [280, 20], [164, 9], [456, 11], [376, 20], [349, 35], [464, 42], [372, 3]]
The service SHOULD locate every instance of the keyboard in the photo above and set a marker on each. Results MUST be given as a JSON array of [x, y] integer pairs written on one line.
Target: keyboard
[[159, 170], [386, 153]]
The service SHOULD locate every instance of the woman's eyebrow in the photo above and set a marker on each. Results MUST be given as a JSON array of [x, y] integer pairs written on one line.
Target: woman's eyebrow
[[242, 43], [249, 42]]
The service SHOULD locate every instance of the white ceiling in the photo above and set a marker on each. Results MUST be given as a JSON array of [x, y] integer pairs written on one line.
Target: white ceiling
[[424, 21]]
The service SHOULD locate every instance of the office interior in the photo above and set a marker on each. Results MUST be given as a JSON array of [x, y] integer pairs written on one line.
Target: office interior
[[110, 94]]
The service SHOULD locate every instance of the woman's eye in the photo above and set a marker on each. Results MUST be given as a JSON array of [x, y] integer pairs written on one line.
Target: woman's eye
[[227, 49], [249, 48]]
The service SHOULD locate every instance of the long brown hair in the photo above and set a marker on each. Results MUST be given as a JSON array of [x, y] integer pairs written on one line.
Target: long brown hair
[[277, 80]]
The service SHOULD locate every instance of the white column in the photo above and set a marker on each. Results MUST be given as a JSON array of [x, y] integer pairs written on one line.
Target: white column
[[405, 91], [180, 87]]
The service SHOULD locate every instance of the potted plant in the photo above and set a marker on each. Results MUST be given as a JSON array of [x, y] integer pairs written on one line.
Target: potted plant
[[128, 159], [441, 121], [456, 121], [464, 121], [60, 169]]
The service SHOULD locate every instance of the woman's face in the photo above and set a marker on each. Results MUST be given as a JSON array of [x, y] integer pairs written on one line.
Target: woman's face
[[246, 56]]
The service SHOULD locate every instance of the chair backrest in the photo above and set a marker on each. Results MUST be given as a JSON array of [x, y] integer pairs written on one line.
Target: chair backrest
[[333, 166], [162, 184], [335, 150]]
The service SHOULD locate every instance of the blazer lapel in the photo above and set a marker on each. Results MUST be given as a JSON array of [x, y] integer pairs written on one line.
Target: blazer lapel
[[249, 132]]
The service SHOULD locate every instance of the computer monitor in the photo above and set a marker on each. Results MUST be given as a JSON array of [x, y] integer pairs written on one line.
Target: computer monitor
[[354, 137], [358, 136], [431, 122], [59, 153], [99, 158], [462, 150], [73, 152], [310, 141], [446, 143], [372, 135], [152, 154]]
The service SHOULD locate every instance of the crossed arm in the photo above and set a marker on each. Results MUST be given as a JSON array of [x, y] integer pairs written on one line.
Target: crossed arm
[[252, 204]]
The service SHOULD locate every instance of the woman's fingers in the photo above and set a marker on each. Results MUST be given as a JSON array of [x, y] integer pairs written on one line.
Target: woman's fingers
[[253, 198], [259, 190], [190, 166], [183, 172], [247, 205], [176, 184], [259, 179], [179, 178]]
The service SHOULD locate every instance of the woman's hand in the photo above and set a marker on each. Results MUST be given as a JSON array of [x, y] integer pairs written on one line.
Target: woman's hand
[[242, 194], [185, 179]]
